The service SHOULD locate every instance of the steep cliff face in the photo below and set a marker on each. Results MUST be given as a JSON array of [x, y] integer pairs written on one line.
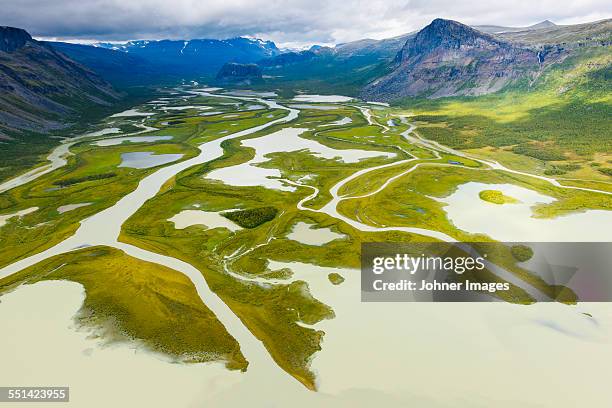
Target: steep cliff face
[[40, 88], [12, 38], [447, 58]]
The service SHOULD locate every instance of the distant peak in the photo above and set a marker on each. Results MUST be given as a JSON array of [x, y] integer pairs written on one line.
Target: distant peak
[[543, 24], [447, 34], [12, 38], [449, 28], [443, 23]]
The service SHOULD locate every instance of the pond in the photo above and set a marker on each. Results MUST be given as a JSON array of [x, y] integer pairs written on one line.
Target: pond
[[145, 160], [284, 140], [210, 219], [69, 207], [515, 222], [310, 235], [323, 98]]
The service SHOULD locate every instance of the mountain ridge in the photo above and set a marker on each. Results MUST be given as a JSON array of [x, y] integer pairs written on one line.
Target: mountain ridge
[[12, 38], [197, 55], [447, 58], [495, 29], [42, 88]]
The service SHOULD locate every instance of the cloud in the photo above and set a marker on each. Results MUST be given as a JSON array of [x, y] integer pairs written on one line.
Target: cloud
[[286, 22]]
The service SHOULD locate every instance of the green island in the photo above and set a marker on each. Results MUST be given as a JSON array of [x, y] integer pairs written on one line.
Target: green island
[[521, 253], [335, 278], [496, 197], [251, 218]]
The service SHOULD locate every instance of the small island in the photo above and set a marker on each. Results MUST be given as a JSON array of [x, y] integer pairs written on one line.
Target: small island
[[496, 197], [251, 218], [521, 253], [335, 278]]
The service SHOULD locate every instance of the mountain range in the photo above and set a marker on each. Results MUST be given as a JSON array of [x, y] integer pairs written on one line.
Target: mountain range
[[145, 62], [45, 84]]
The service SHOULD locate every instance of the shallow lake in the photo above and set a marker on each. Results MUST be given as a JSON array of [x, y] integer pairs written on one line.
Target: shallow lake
[[46, 348], [187, 218], [322, 98], [69, 207], [130, 113], [315, 107], [185, 107], [515, 222], [253, 107], [310, 235], [145, 160], [407, 351], [340, 122], [285, 140]]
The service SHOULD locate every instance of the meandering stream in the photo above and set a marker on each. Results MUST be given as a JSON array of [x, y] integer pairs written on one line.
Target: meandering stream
[[59, 157], [104, 228]]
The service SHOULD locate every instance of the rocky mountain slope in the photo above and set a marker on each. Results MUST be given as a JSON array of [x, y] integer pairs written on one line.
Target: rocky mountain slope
[[42, 89], [239, 74], [467, 61], [447, 58], [119, 68]]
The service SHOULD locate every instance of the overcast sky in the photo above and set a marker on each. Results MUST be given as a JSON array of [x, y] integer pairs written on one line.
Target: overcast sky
[[289, 23]]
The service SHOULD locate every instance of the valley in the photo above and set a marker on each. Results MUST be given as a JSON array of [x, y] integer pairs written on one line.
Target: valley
[[255, 284], [189, 213]]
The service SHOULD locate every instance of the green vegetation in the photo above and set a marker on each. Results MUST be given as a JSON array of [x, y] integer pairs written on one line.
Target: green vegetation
[[607, 171], [251, 218], [20, 151], [237, 265], [272, 312], [537, 152], [496, 197], [46, 227], [560, 169], [76, 180], [335, 278], [521, 253], [130, 299], [560, 117]]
